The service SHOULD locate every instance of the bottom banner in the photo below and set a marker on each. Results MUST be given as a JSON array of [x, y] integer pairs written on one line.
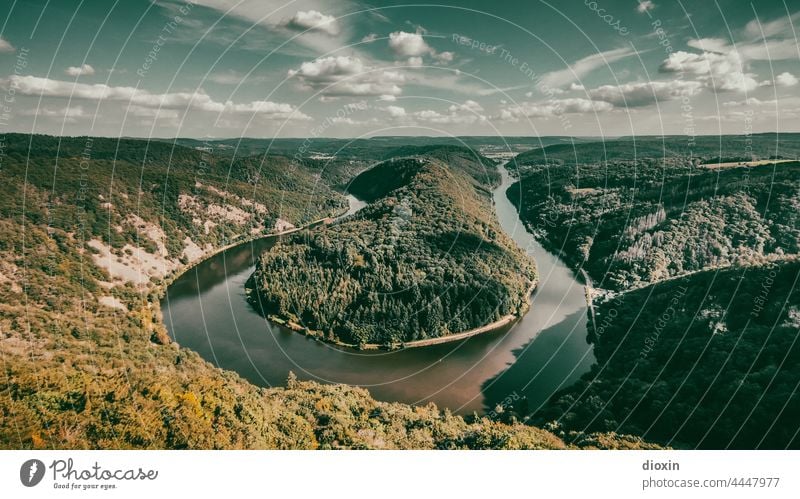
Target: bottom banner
[[390, 474]]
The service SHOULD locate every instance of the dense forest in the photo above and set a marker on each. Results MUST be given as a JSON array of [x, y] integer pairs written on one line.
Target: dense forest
[[695, 277], [709, 361], [633, 224], [426, 258], [84, 372]]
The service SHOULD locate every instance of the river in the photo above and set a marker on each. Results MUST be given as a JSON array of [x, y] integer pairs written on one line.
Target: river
[[206, 310]]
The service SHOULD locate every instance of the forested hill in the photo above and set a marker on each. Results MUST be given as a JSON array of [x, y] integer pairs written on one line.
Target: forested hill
[[696, 325], [630, 225], [710, 360], [425, 259]]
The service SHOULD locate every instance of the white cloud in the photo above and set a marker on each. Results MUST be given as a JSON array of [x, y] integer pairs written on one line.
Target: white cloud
[[347, 76], [387, 98], [233, 77], [274, 15], [413, 46], [584, 66], [781, 26], [369, 38], [642, 94], [5, 45], [720, 72], [198, 100], [82, 70], [760, 50], [408, 44], [718, 45], [468, 105], [452, 118], [443, 56], [576, 86], [553, 107], [314, 20], [68, 114], [786, 79], [645, 6], [396, 111]]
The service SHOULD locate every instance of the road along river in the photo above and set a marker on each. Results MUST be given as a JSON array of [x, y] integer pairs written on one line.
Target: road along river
[[206, 310]]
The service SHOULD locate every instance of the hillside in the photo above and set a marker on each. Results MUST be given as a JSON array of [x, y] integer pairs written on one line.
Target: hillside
[[425, 259], [87, 362], [708, 361], [694, 274], [633, 225]]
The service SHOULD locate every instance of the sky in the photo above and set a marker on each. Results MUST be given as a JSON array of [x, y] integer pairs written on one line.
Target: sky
[[344, 68]]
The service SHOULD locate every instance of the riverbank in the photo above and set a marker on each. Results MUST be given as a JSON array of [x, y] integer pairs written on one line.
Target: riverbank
[[439, 340], [159, 333]]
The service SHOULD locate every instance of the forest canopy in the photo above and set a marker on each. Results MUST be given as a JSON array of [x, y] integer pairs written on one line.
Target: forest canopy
[[425, 259]]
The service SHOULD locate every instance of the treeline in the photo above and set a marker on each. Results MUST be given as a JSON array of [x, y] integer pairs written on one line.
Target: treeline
[[425, 259], [707, 361], [687, 150]]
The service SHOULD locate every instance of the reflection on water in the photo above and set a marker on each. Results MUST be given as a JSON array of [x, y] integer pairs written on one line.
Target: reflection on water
[[206, 310]]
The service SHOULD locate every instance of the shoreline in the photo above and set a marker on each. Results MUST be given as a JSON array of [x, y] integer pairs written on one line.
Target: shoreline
[[402, 345], [161, 287]]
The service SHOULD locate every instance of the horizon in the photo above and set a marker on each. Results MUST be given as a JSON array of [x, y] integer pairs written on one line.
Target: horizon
[[607, 137]]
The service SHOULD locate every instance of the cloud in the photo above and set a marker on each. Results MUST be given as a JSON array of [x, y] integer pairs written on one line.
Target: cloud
[[722, 72], [468, 105], [198, 100], [5, 45], [781, 26], [452, 118], [645, 6], [82, 70], [408, 44], [786, 79], [413, 46], [315, 21], [576, 86], [553, 107], [347, 76], [583, 67], [369, 38], [68, 114], [233, 77], [276, 16], [149, 112], [645, 93], [718, 45], [396, 111], [761, 50]]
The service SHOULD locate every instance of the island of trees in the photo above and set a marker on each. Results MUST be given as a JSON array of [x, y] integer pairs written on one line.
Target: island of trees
[[425, 259]]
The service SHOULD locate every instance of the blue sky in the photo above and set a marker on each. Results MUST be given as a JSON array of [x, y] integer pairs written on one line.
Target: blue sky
[[264, 68]]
